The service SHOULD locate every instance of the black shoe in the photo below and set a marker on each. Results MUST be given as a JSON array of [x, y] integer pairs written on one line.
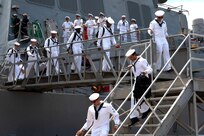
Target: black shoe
[[72, 71], [144, 115], [133, 121]]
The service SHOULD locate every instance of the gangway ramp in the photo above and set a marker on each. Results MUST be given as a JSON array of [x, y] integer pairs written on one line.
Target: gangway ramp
[[46, 83]]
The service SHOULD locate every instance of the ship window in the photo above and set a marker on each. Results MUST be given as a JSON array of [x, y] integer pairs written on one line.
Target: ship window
[[134, 12], [69, 5], [49, 3], [146, 15], [94, 7]]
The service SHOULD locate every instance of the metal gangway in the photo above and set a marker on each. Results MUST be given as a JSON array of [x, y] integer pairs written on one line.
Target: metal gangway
[[170, 99], [90, 74]]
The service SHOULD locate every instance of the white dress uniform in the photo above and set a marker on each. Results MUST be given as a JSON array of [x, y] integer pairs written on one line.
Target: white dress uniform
[[90, 27], [101, 21], [13, 57], [52, 49], [100, 126], [106, 44], [67, 26], [77, 49], [133, 32], [78, 22], [96, 25], [162, 46], [34, 57], [140, 66], [123, 27]]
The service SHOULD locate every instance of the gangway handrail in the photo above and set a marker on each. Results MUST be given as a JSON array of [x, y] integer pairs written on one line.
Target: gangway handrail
[[143, 96]]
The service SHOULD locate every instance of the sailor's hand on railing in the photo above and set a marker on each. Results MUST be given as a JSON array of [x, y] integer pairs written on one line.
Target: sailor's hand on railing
[[128, 67], [80, 132]]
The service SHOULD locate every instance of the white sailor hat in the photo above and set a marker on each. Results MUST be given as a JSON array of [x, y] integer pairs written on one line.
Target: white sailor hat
[[90, 14], [67, 17], [78, 15], [14, 15], [77, 27], [110, 20], [130, 52], [101, 14], [25, 14], [53, 32], [133, 20], [159, 13], [33, 40], [123, 16], [96, 17], [17, 43], [94, 96]]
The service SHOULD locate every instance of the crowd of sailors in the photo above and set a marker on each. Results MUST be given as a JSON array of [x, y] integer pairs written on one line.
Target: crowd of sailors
[[99, 28], [73, 32]]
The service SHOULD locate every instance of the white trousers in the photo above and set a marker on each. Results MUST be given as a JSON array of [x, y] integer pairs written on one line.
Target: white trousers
[[90, 33], [105, 66], [162, 48], [15, 73], [101, 131], [52, 62], [139, 109], [123, 36], [133, 37], [30, 65], [77, 59]]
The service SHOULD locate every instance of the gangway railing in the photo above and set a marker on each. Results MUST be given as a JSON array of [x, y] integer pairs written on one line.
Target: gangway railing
[[178, 76]]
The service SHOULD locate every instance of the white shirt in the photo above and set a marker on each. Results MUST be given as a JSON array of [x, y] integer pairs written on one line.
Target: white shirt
[[52, 47], [103, 116], [141, 66], [67, 26], [77, 39], [101, 21], [123, 26], [90, 23], [158, 31], [32, 52], [13, 56], [133, 27], [106, 42], [78, 22]]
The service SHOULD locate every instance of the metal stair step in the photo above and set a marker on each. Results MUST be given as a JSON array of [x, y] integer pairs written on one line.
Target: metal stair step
[[163, 106], [165, 98], [172, 91]]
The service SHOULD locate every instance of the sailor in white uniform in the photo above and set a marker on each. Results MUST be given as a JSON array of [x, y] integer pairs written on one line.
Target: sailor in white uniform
[[102, 19], [123, 27], [17, 68], [106, 43], [158, 29], [96, 25], [52, 48], [139, 66], [90, 25], [78, 21], [77, 48], [33, 57], [98, 117], [67, 28], [134, 34]]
